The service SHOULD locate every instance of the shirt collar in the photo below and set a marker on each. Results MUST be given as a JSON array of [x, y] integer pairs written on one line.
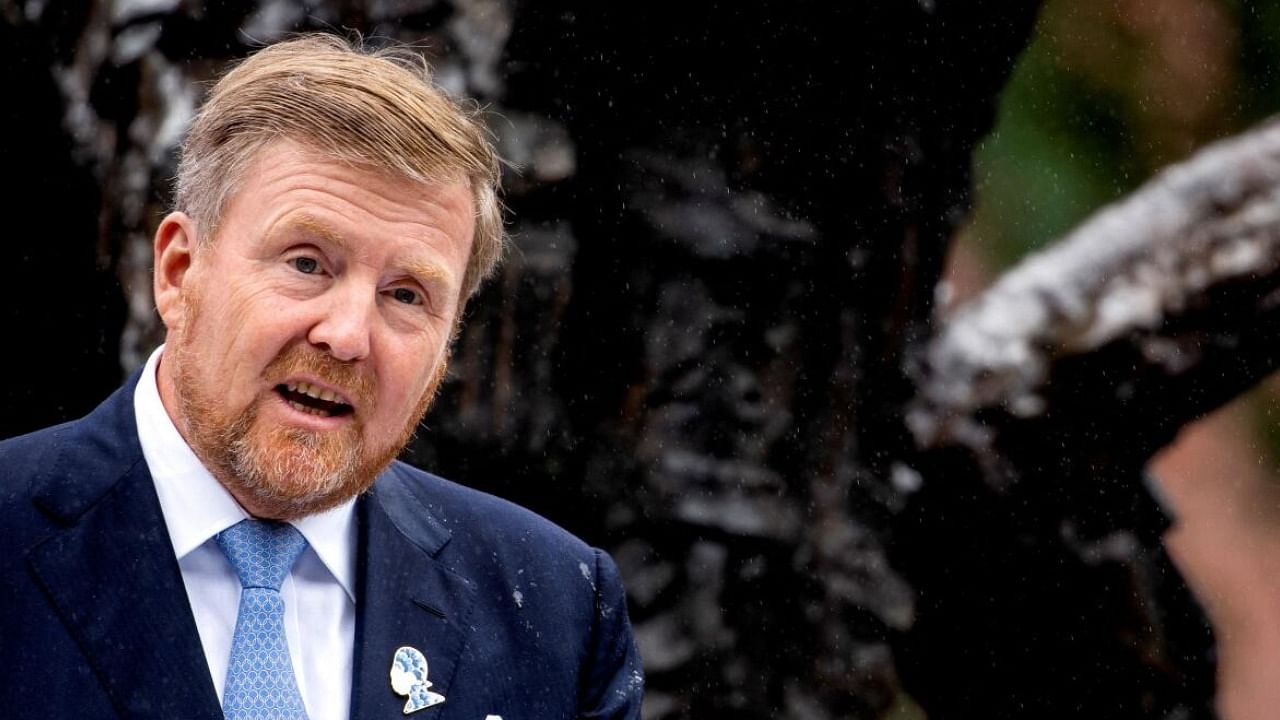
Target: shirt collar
[[197, 507]]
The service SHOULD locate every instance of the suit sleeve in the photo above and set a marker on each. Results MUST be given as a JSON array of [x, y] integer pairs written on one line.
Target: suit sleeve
[[613, 680]]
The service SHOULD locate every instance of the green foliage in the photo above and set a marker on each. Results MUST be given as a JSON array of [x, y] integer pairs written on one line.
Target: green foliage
[[1050, 161], [1106, 95]]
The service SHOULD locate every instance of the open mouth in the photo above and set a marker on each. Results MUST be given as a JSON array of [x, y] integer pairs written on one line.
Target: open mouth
[[317, 401]]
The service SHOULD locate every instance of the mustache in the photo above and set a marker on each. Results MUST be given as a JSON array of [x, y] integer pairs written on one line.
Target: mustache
[[354, 383]]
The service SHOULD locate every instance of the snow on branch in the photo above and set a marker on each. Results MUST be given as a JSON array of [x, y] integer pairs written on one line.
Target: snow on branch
[[1169, 282]]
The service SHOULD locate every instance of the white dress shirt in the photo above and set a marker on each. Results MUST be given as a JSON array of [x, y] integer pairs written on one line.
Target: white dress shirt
[[318, 594]]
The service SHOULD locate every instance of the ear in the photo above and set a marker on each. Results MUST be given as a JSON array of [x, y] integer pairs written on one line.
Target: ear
[[173, 253]]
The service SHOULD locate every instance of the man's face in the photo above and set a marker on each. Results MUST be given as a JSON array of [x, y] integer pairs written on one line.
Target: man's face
[[309, 338]]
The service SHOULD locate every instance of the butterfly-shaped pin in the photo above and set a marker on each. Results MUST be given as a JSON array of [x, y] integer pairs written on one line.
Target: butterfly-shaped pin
[[409, 678]]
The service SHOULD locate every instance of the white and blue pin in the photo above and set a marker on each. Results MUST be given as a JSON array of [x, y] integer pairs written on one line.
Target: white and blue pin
[[409, 678]]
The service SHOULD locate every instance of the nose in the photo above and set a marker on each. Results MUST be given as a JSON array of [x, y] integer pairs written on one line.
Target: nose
[[345, 323]]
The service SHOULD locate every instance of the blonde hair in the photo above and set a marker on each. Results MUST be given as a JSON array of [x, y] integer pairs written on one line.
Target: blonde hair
[[377, 109]]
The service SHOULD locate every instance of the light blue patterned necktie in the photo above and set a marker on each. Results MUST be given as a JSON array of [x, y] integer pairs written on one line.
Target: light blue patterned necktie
[[260, 681]]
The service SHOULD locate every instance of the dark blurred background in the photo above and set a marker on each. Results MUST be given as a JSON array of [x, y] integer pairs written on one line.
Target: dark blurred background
[[733, 223]]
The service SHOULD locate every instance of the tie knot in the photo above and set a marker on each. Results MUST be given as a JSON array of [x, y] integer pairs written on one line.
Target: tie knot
[[261, 551]]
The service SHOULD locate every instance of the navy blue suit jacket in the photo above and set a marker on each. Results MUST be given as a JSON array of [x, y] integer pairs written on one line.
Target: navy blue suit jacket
[[516, 617]]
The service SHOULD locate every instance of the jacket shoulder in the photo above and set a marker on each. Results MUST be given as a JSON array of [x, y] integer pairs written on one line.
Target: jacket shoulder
[[56, 473], [26, 459], [24, 450]]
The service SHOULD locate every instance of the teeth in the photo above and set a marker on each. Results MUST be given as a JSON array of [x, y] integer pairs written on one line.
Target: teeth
[[310, 390], [310, 410]]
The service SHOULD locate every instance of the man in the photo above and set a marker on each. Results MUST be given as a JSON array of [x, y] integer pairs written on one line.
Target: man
[[228, 533]]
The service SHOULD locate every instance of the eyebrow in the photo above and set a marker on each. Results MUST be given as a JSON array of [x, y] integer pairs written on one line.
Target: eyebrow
[[428, 272], [314, 226], [425, 271]]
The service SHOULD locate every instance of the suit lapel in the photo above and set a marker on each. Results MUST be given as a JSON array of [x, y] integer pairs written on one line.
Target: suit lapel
[[112, 575], [406, 598]]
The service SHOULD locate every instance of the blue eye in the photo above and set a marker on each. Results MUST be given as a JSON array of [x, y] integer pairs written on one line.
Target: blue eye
[[306, 265], [405, 295]]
